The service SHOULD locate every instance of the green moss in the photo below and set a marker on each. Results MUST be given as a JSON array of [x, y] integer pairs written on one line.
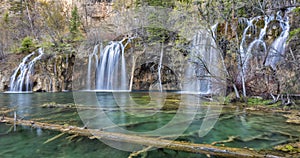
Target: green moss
[[6, 17], [260, 23], [291, 148], [157, 3], [227, 99], [295, 32], [46, 45], [170, 106], [296, 10], [257, 101]]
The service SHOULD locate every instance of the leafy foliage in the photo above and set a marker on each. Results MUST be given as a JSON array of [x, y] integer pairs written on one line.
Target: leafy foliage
[[6, 18], [295, 32], [157, 3], [27, 45]]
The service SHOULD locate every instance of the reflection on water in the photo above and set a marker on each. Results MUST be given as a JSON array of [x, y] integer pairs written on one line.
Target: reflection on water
[[258, 131]]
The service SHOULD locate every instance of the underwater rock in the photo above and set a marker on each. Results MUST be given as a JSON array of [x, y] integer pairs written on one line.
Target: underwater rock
[[293, 118]]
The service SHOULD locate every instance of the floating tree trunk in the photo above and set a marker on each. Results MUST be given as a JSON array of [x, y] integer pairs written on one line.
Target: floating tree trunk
[[142, 140]]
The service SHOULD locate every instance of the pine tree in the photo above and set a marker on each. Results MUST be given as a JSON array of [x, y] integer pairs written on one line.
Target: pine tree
[[74, 22]]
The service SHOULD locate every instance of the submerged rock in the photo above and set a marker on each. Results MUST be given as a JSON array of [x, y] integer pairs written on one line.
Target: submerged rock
[[291, 148], [293, 118]]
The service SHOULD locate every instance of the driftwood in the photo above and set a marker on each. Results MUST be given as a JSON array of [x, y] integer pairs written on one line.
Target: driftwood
[[134, 154], [285, 101], [142, 140], [82, 107], [230, 139], [5, 111]]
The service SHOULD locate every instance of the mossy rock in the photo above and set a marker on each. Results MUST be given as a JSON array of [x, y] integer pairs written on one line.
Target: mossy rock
[[292, 148], [170, 106], [257, 101]]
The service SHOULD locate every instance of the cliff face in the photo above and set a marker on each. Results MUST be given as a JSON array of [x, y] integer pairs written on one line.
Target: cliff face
[[286, 78], [53, 73], [7, 66], [289, 70]]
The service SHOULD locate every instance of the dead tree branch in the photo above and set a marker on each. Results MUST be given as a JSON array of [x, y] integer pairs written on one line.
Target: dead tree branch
[[142, 140]]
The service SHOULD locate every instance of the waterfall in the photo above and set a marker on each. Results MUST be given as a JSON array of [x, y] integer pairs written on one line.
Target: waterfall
[[246, 55], [21, 78], [203, 62], [111, 69], [277, 48], [92, 65], [250, 26], [159, 67], [272, 54]]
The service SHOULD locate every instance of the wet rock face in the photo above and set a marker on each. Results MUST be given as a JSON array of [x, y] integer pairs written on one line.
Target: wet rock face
[[289, 70], [286, 78], [52, 73], [7, 66], [146, 77], [4, 80]]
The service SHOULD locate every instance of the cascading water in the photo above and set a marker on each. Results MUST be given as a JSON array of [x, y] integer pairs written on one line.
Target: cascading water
[[21, 78], [111, 69], [277, 48], [159, 67], [258, 46], [92, 65], [246, 52], [108, 68], [202, 64]]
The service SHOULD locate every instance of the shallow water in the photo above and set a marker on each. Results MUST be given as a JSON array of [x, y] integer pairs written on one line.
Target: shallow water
[[139, 115]]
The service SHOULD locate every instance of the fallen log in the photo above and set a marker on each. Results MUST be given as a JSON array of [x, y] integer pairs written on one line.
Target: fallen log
[[142, 140], [230, 139], [137, 153]]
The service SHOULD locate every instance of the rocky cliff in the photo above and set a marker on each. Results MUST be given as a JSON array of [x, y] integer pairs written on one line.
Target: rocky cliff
[[286, 78], [53, 73]]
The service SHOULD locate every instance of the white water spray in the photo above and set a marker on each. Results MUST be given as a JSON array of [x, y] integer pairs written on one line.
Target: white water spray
[[21, 78]]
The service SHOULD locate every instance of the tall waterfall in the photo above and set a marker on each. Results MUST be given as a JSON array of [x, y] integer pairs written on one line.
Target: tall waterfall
[[159, 67], [21, 78], [203, 63], [92, 65], [277, 48], [265, 55], [109, 67]]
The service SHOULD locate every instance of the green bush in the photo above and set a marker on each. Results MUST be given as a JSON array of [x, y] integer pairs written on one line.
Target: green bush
[[27, 45], [157, 3]]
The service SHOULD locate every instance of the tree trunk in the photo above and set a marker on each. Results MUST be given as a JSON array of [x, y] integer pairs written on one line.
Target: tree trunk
[[142, 140]]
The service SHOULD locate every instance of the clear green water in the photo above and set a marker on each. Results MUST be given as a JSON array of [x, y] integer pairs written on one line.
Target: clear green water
[[252, 130]]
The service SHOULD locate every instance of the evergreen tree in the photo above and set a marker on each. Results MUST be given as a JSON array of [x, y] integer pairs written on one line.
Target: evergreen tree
[[74, 22]]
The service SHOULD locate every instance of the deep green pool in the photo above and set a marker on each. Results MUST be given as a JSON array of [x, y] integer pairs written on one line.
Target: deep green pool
[[139, 115]]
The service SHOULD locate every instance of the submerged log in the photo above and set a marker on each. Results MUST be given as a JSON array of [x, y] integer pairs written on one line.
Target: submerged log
[[230, 139], [142, 140], [135, 154]]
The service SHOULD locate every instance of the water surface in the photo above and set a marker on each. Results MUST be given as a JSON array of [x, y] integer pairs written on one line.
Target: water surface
[[250, 130]]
